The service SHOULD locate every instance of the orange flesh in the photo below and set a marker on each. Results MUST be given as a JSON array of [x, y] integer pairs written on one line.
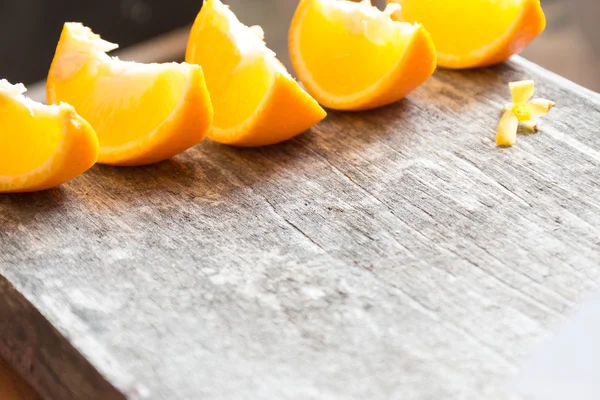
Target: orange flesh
[[117, 119], [141, 113], [39, 135], [460, 27], [343, 72], [230, 75], [256, 101]]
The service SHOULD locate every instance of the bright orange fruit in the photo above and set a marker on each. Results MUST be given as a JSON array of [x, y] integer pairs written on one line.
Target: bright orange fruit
[[476, 33], [351, 56], [255, 99], [142, 113], [41, 146]]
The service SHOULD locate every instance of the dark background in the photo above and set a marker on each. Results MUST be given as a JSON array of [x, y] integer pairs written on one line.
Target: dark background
[[29, 29]]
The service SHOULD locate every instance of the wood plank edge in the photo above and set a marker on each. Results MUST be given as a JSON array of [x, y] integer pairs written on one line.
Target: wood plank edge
[[44, 358], [558, 79]]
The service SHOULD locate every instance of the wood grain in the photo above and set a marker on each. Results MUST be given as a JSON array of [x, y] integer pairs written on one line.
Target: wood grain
[[12, 386], [390, 254]]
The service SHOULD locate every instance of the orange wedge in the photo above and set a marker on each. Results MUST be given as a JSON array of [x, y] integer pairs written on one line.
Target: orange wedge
[[476, 33], [255, 99], [142, 113], [41, 146], [351, 56]]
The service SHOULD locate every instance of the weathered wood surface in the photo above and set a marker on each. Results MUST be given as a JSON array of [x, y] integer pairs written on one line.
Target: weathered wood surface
[[390, 254], [12, 386]]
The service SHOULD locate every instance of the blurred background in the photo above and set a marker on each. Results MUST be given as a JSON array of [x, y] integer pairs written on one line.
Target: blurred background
[[29, 30]]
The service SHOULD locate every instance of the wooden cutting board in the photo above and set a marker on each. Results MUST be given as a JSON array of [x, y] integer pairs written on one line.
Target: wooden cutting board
[[395, 253]]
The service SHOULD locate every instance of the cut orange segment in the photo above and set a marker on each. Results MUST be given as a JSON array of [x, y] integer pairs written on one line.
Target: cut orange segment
[[255, 99], [41, 146], [476, 33], [142, 113], [352, 56]]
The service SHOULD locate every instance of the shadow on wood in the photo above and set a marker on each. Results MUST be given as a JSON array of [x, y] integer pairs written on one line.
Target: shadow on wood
[[27, 206]]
